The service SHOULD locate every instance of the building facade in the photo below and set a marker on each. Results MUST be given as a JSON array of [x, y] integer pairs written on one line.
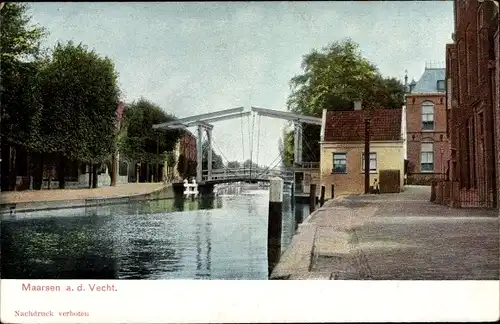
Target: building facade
[[472, 64], [427, 142], [187, 146], [185, 158], [343, 144]]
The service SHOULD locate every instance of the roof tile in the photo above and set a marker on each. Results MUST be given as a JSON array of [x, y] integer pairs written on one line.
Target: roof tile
[[343, 126]]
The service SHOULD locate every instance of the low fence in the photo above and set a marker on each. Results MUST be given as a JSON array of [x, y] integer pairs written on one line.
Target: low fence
[[423, 179], [449, 193], [309, 165], [247, 173]]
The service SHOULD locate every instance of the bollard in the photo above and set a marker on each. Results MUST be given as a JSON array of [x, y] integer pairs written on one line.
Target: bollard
[[322, 196], [312, 197], [293, 195], [274, 222], [333, 191]]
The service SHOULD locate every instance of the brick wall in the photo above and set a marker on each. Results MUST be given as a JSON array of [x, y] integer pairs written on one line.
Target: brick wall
[[188, 146], [415, 136], [497, 108], [473, 120]]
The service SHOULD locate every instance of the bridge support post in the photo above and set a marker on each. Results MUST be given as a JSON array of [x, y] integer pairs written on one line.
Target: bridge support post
[[322, 196], [312, 197], [274, 222], [209, 159], [297, 143], [199, 155]]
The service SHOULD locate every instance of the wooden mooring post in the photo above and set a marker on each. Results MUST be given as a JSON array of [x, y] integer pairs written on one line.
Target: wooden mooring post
[[322, 196], [312, 197], [274, 223]]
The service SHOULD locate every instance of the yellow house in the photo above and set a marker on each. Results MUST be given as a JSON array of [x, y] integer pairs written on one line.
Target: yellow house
[[343, 145]]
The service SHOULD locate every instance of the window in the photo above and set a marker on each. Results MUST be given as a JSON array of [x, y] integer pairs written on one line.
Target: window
[[339, 162], [427, 157], [427, 116], [373, 162], [440, 85]]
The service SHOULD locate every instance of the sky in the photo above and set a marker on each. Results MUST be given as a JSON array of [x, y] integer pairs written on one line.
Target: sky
[[194, 58]]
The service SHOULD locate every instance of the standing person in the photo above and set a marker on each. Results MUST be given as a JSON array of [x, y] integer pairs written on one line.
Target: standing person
[[375, 187]]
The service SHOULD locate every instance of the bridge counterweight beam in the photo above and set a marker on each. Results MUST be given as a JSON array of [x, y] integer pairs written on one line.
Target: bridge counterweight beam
[[199, 155], [209, 160]]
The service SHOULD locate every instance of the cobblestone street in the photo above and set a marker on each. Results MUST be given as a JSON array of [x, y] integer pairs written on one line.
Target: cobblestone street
[[398, 237]]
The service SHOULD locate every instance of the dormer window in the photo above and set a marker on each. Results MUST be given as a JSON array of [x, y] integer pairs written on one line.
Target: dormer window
[[440, 85]]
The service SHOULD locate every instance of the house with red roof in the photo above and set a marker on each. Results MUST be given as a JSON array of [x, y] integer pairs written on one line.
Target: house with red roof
[[343, 145]]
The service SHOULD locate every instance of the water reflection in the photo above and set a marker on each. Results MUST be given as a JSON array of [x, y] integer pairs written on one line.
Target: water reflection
[[178, 204], [217, 238]]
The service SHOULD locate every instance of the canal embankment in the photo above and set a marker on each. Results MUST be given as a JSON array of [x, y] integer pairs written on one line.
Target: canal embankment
[[220, 238], [33, 200], [393, 237]]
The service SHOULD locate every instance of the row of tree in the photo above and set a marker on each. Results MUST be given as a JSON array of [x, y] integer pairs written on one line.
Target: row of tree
[[60, 106], [332, 79]]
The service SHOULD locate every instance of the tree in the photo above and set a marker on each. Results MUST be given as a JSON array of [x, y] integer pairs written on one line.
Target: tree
[[217, 162], [182, 166], [20, 56], [333, 78], [19, 41], [169, 166], [285, 147], [142, 143], [79, 95], [233, 165], [191, 169], [250, 164]]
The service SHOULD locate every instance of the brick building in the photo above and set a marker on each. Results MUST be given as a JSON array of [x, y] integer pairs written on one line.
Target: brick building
[[472, 74], [343, 144], [427, 144], [187, 146], [185, 157]]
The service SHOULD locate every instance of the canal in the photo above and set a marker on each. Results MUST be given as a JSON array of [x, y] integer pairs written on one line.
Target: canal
[[218, 238]]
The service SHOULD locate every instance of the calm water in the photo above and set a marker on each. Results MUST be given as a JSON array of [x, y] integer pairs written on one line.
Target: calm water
[[220, 238]]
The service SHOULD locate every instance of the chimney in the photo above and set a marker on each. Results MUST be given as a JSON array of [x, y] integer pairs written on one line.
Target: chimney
[[323, 126], [357, 104]]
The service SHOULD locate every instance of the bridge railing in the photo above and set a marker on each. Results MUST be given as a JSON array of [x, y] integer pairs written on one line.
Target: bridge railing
[[309, 165], [247, 173]]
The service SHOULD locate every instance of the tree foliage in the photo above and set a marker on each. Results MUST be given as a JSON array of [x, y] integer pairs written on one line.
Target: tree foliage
[[79, 95], [186, 168], [250, 164], [217, 162], [333, 78], [142, 143], [170, 163], [19, 41], [233, 164], [286, 149], [21, 60]]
